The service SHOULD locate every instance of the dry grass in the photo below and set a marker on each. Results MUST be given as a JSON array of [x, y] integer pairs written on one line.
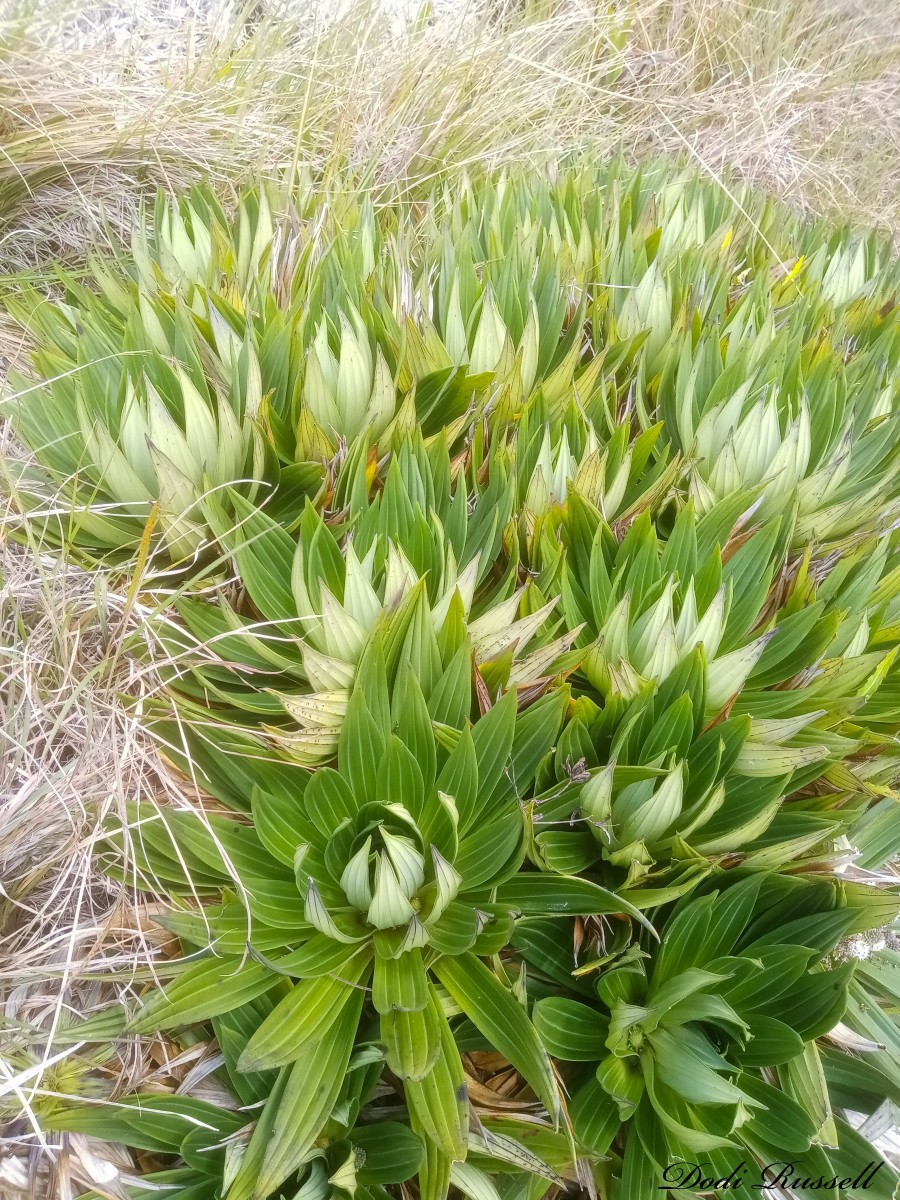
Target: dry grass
[[72, 753], [101, 104]]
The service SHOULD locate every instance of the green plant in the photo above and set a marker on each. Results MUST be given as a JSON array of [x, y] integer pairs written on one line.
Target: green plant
[[709, 1044], [549, 586], [380, 885], [417, 564], [213, 1140], [248, 351]]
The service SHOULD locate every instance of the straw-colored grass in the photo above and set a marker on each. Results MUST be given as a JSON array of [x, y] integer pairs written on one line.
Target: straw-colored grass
[[100, 104]]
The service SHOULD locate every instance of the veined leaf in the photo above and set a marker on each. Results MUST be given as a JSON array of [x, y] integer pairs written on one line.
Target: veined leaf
[[499, 1016]]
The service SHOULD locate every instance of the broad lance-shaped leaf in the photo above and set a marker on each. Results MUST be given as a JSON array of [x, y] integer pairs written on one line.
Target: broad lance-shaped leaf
[[500, 1017], [158, 1123], [570, 1030], [438, 1102], [311, 1089], [307, 1014], [539, 894], [203, 990]]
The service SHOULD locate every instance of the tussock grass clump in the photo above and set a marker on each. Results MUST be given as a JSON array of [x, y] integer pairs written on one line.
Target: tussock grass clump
[[103, 103], [71, 942], [516, 570]]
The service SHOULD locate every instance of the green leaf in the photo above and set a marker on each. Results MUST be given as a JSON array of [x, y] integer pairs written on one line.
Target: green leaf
[[683, 940], [750, 571], [277, 905], [816, 1003], [851, 1160], [877, 835], [771, 1043], [674, 1115], [392, 1152], [492, 738], [157, 1123], [640, 1171], [280, 823], [321, 955], [803, 1078], [306, 1014], [730, 914], [451, 697], [595, 1116], [499, 1016], [401, 776], [455, 930], [570, 1030], [781, 1120], [778, 969], [412, 1040], [472, 1182], [568, 853], [534, 894], [439, 1102], [663, 997], [360, 749], [434, 1171], [205, 989], [679, 1068], [413, 723], [459, 777], [486, 852], [857, 1083], [400, 983], [536, 731], [311, 1087], [265, 556], [329, 799]]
